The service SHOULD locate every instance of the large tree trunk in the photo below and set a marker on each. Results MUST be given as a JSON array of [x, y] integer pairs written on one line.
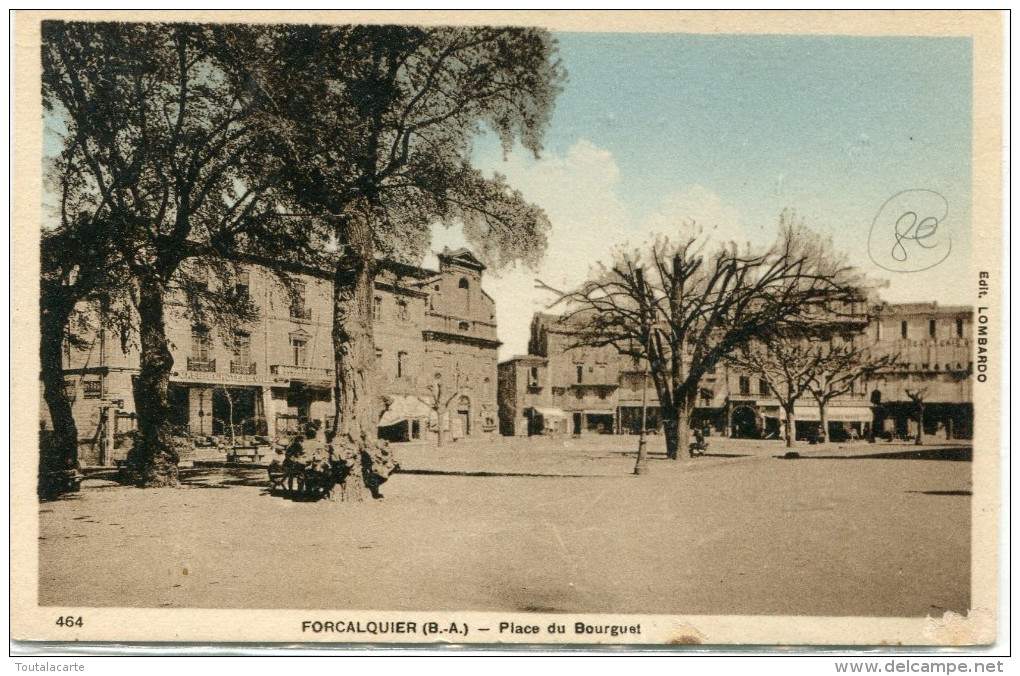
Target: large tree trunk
[[152, 462], [676, 426], [683, 421], [58, 458], [671, 430], [356, 435], [823, 415], [791, 425], [920, 424]]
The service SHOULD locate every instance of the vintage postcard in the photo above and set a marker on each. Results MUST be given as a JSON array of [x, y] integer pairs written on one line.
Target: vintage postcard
[[650, 329]]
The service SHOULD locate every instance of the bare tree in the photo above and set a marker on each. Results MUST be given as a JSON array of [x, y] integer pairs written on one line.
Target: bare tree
[[712, 301], [839, 368], [786, 364], [439, 398]]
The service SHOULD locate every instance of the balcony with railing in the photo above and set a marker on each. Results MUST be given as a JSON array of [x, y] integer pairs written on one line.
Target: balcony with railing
[[242, 368], [308, 374], [204, 365]]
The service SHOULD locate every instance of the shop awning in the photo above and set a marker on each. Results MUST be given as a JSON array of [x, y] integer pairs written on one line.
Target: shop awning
[[403, 408], [835, 413], [550, 412], [847, 414]]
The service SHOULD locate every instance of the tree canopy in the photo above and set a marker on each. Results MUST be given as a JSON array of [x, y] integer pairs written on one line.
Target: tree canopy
[[190, 146], [381, 122]]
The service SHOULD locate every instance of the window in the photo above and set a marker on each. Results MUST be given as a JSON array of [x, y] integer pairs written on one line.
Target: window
[[745, 385], [242, 346], [931, 328], [92, 389], [299, 347], [464, 326], [378, 353], [201, 350], [580, 373], [959, 328], [878, 330], [401, 364], [533, 380], [201, 343], [903, 330], [763, 387], [297, 302], [241, 285], [463, 284], [241, 362], [402, 314], [377, 308]]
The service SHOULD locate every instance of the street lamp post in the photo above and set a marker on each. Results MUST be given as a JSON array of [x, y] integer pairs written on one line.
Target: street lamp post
[[641, 466]]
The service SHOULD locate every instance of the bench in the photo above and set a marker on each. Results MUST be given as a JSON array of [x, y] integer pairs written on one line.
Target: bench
[[251, 453]]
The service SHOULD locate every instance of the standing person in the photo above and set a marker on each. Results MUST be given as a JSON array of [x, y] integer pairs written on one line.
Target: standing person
[[698, 446], [294, 463]]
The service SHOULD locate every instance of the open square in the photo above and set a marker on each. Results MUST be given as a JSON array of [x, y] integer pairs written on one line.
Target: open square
[[537, 525]]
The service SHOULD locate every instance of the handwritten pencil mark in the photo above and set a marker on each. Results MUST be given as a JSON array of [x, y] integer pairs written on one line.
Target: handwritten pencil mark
[[909, 232]]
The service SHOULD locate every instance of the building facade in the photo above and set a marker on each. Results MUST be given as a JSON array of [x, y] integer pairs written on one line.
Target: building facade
[[559, 390], [936, 364], [435, 333]]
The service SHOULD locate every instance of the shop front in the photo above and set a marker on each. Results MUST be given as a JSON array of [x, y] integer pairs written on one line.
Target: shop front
[[845, 422], [223, 406], [631, 418], [547, 421], [406, 418]]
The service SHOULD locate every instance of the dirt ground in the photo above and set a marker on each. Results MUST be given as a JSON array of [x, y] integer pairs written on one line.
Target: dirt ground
[[543, 526]]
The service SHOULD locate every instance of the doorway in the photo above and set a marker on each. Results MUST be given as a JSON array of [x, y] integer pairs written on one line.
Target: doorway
[[744, 423], [464, 416]]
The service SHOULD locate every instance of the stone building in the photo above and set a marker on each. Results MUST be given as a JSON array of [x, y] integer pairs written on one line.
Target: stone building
[[435, 333], [557, 390], [934, 345]]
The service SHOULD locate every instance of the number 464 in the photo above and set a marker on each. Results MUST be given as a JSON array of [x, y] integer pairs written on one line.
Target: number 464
[[69, 621]]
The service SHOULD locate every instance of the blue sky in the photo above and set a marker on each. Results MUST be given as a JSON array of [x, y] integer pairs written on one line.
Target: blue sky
[[653, 130]]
